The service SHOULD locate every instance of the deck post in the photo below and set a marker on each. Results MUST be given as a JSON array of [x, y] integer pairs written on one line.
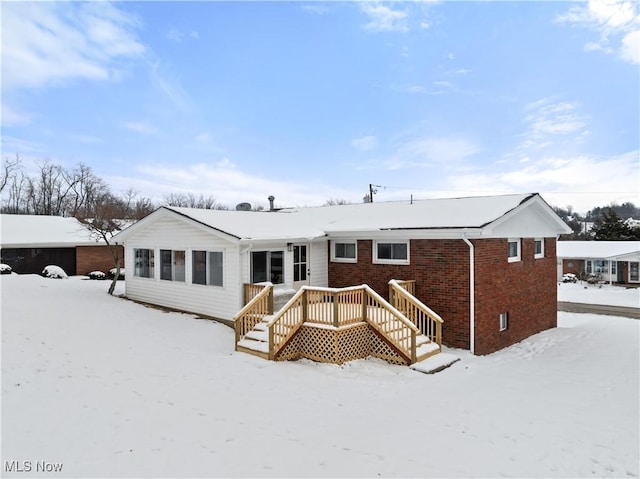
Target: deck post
[[413, 347], [336, 323], [305, 306], [271, 351], [364, 304], [270, 300]]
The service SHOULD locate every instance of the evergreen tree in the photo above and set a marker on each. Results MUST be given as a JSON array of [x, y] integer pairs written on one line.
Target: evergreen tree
[[609, 227]]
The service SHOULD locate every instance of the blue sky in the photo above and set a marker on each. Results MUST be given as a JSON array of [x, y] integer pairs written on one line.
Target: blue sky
[[315, 100]]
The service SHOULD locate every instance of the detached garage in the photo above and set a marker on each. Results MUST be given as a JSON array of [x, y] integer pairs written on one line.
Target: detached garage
[[30, 242]]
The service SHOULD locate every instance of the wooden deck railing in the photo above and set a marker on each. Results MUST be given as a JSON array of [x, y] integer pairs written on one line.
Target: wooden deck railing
[[428, 321], [408, 284], [259, 306], [341, 307], [251, 290]]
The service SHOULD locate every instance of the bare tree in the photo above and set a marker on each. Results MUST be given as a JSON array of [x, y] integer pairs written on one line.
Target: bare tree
[[9, 168], [105, 219], [189, 200], [336, 201]]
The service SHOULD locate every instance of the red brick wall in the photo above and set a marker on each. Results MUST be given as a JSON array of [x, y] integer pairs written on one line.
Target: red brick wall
[[525, 289], [575, 268], [441, 271], [96, 258]]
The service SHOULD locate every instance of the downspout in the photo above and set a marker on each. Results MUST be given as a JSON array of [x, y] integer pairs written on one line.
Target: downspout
[[472, 294]]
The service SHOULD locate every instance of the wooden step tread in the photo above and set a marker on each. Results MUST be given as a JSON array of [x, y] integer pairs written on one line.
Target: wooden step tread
[[259, 346]]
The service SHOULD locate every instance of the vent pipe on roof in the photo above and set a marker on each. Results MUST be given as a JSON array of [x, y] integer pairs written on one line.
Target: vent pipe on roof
[[271, 199]]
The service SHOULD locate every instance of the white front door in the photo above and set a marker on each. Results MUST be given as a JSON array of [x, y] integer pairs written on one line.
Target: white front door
[[300, 265], [634, 272]]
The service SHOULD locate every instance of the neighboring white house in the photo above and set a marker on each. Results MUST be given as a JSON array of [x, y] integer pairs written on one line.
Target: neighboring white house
[[613, 261]]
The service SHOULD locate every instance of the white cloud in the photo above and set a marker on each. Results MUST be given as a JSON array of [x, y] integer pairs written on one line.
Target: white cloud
[[430, 151], [547, 120], [366, 143], [615, 21], [316, 8], [168, 84], [581, 181], [140, 127], [45, 43], [228, 184], [630, 50], [175, 35], [384, 19], [14, 117], [178, 36]]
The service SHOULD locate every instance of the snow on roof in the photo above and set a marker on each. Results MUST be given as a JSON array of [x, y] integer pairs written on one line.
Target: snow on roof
[[36, 231], [315, 222], [596, 249]]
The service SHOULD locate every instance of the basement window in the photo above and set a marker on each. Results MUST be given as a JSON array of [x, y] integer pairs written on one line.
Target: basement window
[[143, 263], [539, 248], [514, 250], [344, 252], [391, 253], [504, 320]]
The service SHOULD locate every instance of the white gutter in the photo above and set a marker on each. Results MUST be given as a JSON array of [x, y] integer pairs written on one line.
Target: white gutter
[[472, 294]]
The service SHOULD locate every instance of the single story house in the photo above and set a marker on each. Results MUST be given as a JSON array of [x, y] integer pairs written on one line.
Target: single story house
[[30, 242], [486, 265], [612, 261]]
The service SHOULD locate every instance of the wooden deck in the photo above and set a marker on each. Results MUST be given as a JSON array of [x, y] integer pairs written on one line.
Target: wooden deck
[[338, 325]]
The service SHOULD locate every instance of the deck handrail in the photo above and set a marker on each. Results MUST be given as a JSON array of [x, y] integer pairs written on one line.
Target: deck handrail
[[428, 321], [346, 306], [254, 311], [287, 318]]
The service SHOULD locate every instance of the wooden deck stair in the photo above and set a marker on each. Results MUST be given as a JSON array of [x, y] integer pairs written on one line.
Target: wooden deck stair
[[263, 333]]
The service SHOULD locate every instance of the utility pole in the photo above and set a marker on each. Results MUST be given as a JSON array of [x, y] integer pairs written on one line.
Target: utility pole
[[372, 192]]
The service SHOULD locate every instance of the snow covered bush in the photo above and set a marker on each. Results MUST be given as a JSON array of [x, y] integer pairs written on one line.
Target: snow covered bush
[[97, 275], [52, 271], [112, 273], [5, 269], [569, 278]]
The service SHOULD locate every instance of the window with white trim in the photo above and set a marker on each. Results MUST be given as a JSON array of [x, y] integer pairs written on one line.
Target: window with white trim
[[539, 248], [388, 252], [207, 268], [143, 263], [344, 252], [267, 266], [504, 321], [172, 266], [514, 250]]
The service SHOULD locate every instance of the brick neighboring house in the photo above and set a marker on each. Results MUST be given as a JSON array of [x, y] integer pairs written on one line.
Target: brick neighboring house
[[31, 242], [611, 261], [486, 265]]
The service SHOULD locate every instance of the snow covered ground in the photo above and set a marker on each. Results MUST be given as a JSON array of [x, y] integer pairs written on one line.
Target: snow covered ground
[[110, 388], [582, 292]]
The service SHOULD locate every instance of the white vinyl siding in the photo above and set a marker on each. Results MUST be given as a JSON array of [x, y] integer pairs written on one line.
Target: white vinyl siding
[[174, 234]]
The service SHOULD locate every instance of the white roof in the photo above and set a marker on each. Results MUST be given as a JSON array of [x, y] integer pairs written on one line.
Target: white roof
[[596, 249], [36, 231], [443, 215]]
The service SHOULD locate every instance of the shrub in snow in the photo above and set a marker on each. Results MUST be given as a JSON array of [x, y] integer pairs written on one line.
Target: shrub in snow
[[97, 275], [569, 278], [5, 269], [52, 271], [112, 273]]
